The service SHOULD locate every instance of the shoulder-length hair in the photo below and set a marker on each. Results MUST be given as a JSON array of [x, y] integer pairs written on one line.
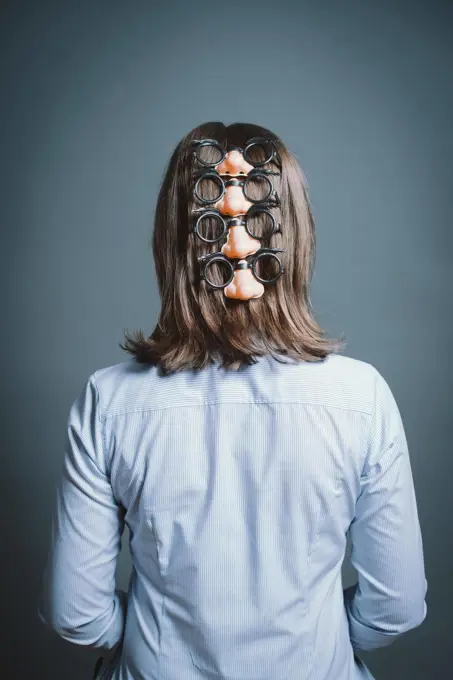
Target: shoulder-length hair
[[199, 325]]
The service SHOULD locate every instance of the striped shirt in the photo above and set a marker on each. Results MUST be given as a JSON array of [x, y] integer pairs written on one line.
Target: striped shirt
[[238, 490]]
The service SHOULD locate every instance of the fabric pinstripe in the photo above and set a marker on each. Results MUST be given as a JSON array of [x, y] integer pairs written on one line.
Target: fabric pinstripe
[[238, 489]]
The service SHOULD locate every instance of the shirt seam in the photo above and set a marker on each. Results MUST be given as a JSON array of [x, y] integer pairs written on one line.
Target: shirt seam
[[210, 403], [371, 423], [101, 420]]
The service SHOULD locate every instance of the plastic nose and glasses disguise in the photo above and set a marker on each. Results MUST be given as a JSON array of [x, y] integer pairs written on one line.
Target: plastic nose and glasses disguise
[[237, 194]]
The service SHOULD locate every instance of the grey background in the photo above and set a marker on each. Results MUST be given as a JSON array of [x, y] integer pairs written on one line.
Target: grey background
[[94, 98]]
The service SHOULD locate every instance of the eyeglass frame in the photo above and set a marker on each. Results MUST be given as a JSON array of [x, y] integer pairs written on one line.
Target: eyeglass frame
[[235, 221], [258, 141], [236, 180], [237, 263]]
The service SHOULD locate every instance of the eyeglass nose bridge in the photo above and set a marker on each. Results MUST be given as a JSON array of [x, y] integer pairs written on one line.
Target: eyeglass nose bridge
[[232, 147]]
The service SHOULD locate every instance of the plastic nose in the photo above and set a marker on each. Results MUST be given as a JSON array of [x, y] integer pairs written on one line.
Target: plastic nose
[[244, 286], [234, 163], [233, 202], [239, 243]]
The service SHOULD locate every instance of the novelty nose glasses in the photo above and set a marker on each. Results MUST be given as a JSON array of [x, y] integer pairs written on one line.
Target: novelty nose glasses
[[212, 221], [256, 186], [250, 262], [257, 152]]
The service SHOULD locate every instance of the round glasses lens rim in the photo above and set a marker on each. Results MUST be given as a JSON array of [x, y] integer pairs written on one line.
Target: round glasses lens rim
[[255, 210], [218, 180], [224, 260], [218, 216], [216, 145], [263, 144], [259, 200], [267, 254]]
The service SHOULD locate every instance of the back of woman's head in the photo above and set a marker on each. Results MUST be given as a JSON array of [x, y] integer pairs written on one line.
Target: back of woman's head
[[198, 324]]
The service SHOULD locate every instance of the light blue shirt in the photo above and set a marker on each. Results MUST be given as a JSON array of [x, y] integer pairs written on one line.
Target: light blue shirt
[[238, 489]]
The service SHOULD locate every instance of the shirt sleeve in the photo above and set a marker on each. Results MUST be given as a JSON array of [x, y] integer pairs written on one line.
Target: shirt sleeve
[[79, 599], [386, 540]]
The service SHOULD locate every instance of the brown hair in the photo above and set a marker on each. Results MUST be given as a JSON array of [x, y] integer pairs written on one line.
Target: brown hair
[[199, 325]]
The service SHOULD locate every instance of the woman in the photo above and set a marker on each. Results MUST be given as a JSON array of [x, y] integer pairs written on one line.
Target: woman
[[239, 447]]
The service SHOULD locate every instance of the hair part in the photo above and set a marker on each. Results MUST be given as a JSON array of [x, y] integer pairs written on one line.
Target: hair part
[[199, 325]]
